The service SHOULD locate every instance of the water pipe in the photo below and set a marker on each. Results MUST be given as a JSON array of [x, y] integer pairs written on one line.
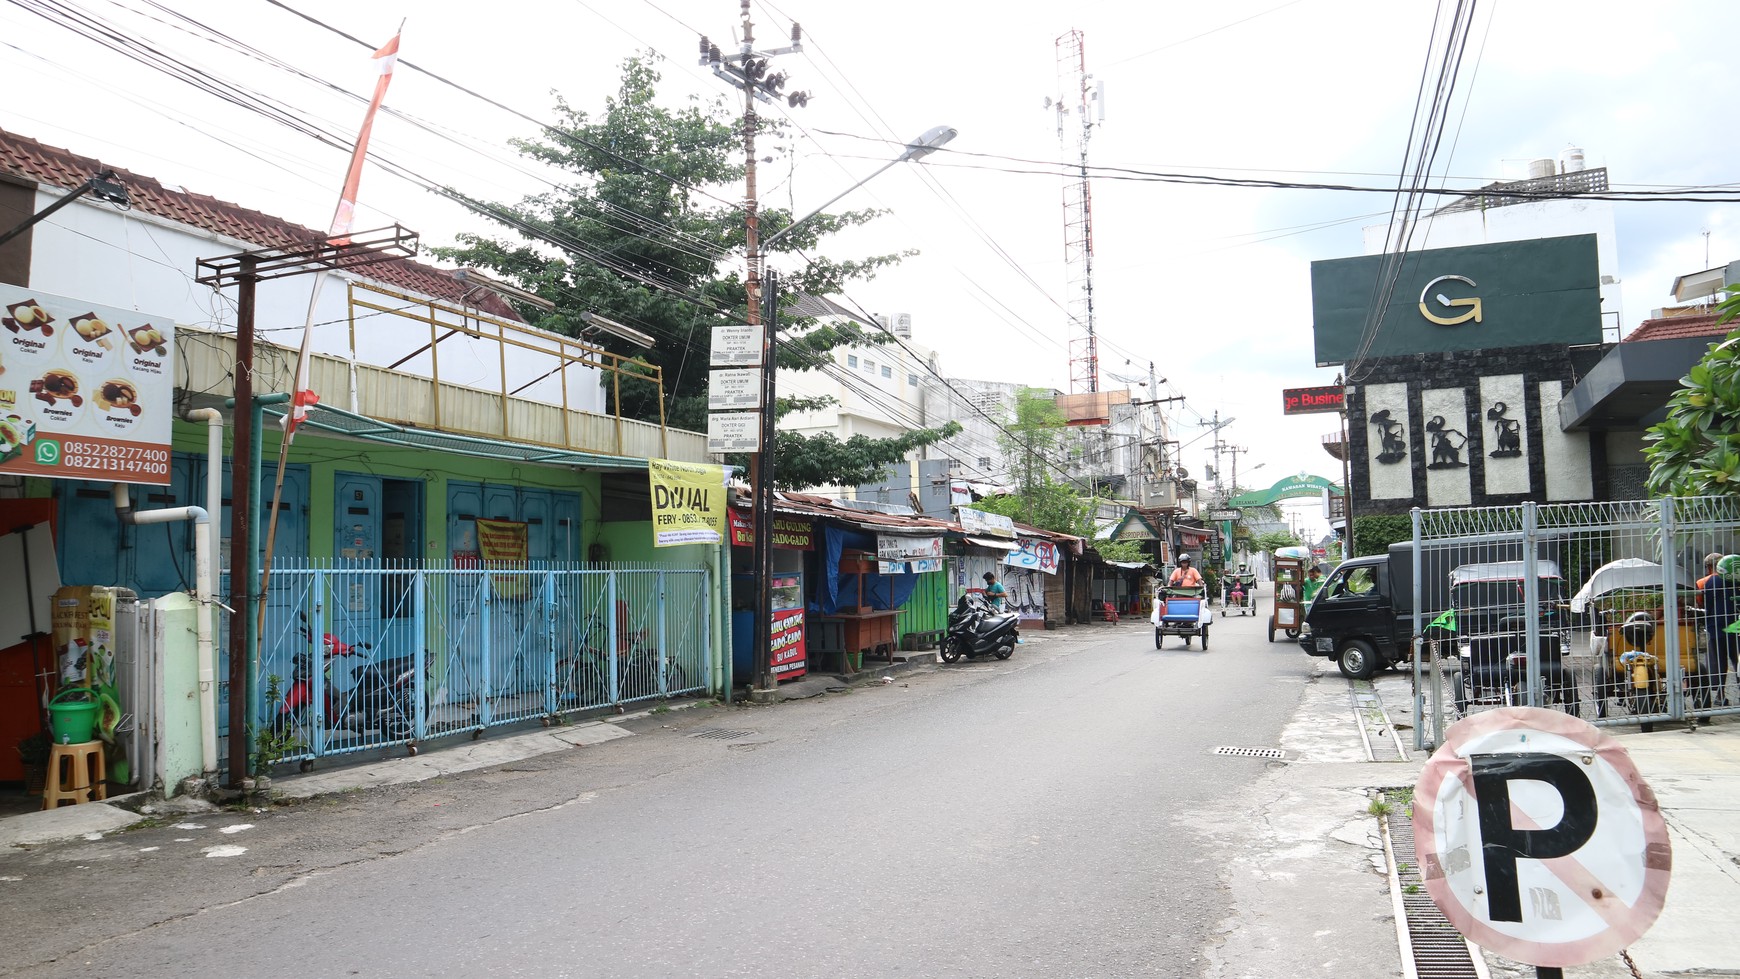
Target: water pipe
[[203, 591]]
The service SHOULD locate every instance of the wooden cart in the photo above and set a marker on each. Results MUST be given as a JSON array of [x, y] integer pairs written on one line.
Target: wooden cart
[[1288, 613]]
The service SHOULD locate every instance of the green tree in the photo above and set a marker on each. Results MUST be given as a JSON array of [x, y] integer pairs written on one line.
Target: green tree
[[1273, 540], [1696, 450], [648, 232], [1056, 507]]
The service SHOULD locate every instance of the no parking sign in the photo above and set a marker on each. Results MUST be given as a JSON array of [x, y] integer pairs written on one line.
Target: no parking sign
[[1538, 838]]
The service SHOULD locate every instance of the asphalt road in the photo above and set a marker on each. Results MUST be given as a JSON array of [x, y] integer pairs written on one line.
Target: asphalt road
[[1036, 817]]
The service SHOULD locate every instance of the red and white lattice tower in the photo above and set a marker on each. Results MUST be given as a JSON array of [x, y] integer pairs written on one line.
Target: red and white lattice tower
[[1075, 124]]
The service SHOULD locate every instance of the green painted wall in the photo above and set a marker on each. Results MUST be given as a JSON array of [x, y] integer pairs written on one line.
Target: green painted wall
[[928, 608]]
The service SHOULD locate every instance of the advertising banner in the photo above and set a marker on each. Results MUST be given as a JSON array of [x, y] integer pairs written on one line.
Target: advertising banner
[[892, 548], [1034, 555], [506, 542], [920, 566], [983, 524], [787, 653], [86, 391], [1305, 401], [688, 502], [789, 533]]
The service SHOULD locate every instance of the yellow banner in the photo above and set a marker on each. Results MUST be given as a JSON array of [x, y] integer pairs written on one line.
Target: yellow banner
[[688, 502]]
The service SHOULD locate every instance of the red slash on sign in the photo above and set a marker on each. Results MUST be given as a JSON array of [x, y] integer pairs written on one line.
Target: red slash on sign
[[1538, 838]]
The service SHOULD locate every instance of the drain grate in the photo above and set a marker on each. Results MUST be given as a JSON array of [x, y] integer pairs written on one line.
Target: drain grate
[[1438, 950], [1274, 753], [721, 734]]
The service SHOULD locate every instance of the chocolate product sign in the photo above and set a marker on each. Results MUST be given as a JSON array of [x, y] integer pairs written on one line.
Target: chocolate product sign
[[86, 391]]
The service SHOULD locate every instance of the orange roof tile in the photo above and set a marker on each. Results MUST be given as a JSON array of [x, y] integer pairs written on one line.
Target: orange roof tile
[[1680, 327], [32, 160]]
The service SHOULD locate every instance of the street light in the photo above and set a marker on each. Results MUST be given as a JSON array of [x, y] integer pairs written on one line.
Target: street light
[[923, 146]]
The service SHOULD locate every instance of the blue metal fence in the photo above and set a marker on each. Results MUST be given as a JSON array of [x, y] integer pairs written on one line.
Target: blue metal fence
[[355, 656]]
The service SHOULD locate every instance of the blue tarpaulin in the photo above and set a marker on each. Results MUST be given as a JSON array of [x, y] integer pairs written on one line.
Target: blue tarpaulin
[[880, 590]]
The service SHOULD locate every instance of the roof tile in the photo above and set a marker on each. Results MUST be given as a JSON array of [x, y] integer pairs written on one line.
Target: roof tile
[[28, 158], [1681, 327]]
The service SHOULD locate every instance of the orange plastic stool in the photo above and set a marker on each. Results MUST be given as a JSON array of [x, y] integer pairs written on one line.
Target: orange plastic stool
[[76, 773]]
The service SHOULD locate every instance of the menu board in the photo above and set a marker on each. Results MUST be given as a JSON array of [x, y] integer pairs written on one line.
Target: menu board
[[86, 391]]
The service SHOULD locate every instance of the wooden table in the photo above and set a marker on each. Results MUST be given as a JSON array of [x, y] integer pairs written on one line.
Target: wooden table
[[869, 633]]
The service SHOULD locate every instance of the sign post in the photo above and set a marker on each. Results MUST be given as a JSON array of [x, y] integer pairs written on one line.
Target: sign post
[[1538, 838]]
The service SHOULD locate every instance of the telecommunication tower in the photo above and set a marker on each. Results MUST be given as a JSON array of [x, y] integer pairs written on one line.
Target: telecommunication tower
[[1077, 94]]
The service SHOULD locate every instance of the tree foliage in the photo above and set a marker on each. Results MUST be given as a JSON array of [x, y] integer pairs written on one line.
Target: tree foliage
[[1048, 506], [1695, 451], [1375, 533], [647, 232]]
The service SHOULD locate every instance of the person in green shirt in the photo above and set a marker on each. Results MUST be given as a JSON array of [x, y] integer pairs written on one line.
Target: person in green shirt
[[995, 593], [1313, 581]]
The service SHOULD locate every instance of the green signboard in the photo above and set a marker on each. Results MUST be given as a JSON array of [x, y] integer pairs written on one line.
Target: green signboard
[[1508, 294], [1303, 484]]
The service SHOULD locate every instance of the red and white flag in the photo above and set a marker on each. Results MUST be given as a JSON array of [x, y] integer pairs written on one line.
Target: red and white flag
[[304, 397], [385, 59]]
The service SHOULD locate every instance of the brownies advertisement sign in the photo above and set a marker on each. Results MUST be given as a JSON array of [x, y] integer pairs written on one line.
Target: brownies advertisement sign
[[86, 391]]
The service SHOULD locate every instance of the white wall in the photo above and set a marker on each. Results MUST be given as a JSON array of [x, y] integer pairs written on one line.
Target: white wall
[[140, 262]]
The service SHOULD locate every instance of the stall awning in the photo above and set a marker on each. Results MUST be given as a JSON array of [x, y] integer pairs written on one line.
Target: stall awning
[[994, 543], [1192, 535]]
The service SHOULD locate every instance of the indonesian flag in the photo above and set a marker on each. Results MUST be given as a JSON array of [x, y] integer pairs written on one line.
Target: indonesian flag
[[304, 397]]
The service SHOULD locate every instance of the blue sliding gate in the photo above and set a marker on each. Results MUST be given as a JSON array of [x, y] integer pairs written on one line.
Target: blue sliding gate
[[358, 655]]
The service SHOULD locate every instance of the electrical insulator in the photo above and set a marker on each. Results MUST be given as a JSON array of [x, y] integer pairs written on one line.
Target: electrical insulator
[[774, 83], [714, 55], [798, 99], [706, 47], [797, 34]]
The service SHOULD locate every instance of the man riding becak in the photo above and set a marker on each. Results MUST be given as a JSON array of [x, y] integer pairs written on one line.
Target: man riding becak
[[1184, 576]]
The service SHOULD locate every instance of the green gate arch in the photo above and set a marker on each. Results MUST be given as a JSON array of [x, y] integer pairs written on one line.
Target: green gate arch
[[1288, 488]]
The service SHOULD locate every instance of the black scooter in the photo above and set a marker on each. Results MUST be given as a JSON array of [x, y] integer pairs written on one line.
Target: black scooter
[[976, 629]]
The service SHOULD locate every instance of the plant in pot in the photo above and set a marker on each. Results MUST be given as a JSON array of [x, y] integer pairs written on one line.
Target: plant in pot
[[33, 751]]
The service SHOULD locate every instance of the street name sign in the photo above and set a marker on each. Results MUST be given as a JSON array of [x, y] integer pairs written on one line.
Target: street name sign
[[736, 346], [1230, 513], [1538, 838]]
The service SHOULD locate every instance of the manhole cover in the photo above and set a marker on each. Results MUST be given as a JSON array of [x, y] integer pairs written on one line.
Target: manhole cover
[[721, 734], [1274, 753]]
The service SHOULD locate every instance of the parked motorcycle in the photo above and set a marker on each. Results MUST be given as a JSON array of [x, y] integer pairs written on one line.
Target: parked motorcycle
[[976, 629], [382, 694]]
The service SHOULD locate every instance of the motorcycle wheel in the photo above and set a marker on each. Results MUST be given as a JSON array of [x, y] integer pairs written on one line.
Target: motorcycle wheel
[[949, 649], [1004, 652]]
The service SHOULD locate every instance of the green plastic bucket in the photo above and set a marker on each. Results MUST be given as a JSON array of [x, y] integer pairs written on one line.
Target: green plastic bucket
[[73, 721]]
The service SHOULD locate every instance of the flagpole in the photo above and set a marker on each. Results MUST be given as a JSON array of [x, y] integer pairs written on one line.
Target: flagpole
[[342, 216]]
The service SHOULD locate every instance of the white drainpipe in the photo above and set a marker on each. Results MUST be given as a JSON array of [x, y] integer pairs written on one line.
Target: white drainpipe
[[203, 577]]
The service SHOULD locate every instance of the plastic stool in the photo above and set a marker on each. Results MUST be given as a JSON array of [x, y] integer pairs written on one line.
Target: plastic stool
[[76, 773]]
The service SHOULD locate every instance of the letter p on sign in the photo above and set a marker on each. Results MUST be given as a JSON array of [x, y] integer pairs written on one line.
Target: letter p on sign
[[1538, 838]]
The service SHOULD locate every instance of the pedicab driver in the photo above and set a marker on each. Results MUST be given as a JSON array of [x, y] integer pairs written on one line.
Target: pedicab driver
[[1184, 576]]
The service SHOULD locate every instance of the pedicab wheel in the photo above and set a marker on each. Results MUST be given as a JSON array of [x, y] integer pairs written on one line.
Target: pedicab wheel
[[411, 749], [1158, 637], [1186, 642], [1204, 633]]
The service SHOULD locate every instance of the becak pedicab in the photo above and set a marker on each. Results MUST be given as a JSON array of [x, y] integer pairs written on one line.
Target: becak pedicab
[[1180, 611], [1239, 593]]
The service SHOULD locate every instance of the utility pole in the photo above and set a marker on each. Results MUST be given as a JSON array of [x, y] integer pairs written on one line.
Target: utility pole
[[746, 70], [1235, 451]]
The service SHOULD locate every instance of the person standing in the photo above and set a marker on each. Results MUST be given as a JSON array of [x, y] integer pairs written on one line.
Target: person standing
[[1716, 595], [1313, 581], [995, 593]]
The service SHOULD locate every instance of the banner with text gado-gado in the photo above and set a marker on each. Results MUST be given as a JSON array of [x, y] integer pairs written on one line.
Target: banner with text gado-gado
[[86, 391]]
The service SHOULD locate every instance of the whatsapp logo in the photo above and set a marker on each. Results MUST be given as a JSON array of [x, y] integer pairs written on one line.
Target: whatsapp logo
[[47, 452]]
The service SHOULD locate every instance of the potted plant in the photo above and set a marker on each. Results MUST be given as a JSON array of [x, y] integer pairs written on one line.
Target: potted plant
[[33, 750]]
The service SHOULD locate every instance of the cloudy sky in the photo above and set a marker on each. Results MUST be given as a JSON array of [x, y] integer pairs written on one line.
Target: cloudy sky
[[1209, 284]]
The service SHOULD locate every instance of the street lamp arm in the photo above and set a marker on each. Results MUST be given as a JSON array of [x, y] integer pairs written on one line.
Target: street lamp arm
[[924, 145]]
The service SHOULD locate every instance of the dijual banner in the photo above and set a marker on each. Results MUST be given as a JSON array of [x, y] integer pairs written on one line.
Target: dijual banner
[[688, 502]]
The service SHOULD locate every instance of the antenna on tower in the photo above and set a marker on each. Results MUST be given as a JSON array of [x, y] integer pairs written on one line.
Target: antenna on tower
[[1077, 93]]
